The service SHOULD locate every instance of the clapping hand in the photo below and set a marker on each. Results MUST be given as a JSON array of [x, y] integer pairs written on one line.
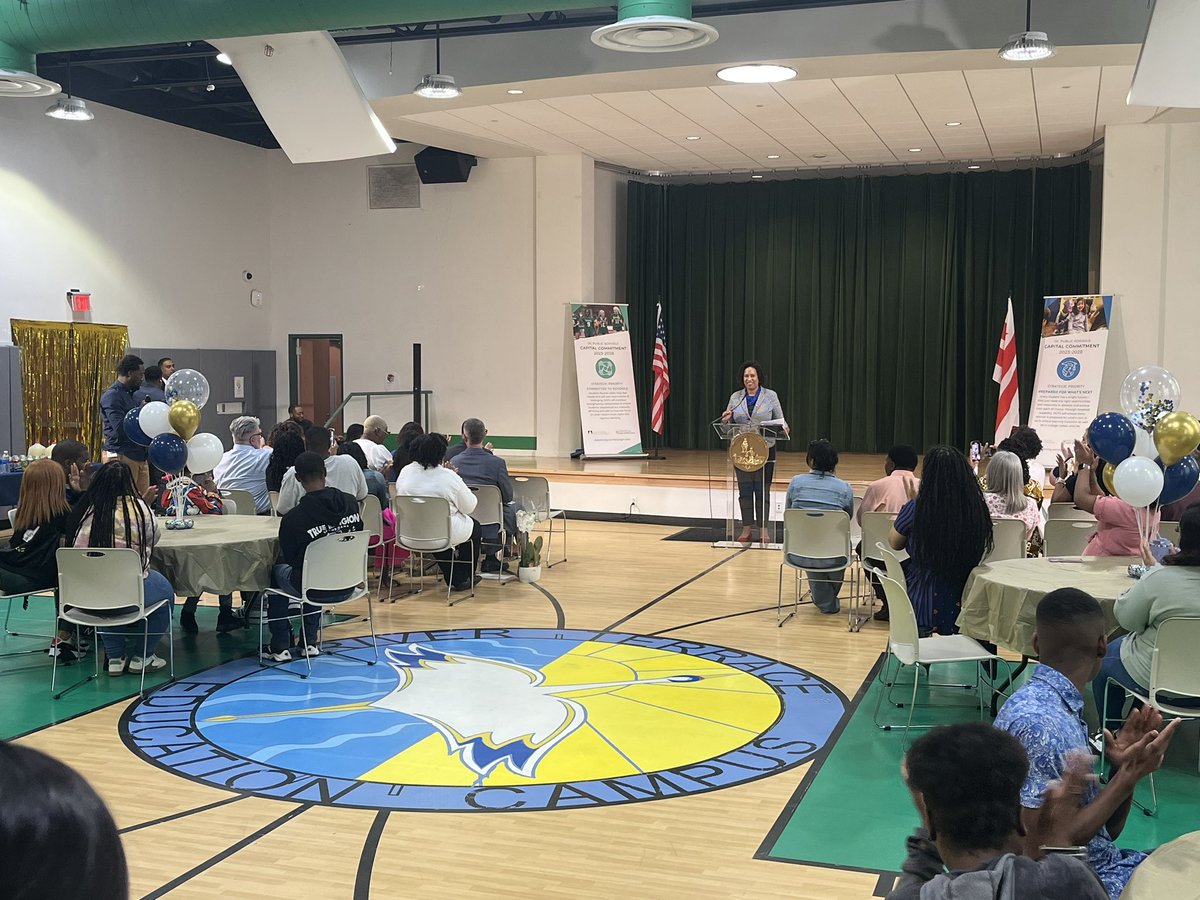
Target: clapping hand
[[1141, 743], [80, 479], [910, 487], [1055, 819]]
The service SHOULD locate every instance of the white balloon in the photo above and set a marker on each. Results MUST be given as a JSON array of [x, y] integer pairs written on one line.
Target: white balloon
[[154, 419], [1144, 445], [204, 452], [187, 384], [1138, 481]]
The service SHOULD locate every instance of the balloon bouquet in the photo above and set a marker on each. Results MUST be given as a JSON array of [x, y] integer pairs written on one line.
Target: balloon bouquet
[[1147, 450], [169, 431]]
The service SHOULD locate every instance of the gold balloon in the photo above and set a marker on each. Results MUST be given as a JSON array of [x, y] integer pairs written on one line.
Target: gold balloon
[[1106, 477], [1175, 436], [184, 416]]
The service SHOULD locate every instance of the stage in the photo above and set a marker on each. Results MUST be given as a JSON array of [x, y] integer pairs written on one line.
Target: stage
[[687, 484]]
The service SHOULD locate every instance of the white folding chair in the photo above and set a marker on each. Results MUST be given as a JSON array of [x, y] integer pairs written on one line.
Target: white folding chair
[[423, 526], [1067, 511], [892, 564], [243, 502], [103, 588], [533, 493], [372, 517], [1173, 675], [1068, 537], [1169, 531], [335, 562], [1008, 540], [908, 649], [24, 598], [489, 510], [273, 496], [816, 534], [875, 528]]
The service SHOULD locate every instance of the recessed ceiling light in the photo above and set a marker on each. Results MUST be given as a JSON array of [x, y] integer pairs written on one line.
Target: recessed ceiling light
[[757, 73], [693, 137], [953, 124], [223, 59], [914, 149], [819, 155], [772, 156], [515, 91], [756, 176], [973, 166]]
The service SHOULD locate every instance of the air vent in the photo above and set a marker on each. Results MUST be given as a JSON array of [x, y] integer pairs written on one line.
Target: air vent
[[22, 84], [393, 187], [654, 34]]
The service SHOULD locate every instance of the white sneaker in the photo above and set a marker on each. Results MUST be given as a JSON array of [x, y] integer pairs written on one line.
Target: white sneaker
[[275, 655], [116, 666], [153, 662], [310, 650]]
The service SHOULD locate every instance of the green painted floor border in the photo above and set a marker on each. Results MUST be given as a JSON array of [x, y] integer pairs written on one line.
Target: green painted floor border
[[852, 812], [25, 702]]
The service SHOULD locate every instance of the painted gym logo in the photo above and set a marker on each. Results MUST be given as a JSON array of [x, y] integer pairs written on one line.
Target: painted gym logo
[[490, 720]]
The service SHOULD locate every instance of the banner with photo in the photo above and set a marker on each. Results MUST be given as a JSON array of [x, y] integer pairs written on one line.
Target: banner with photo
[[1066, 390], [604, 366]]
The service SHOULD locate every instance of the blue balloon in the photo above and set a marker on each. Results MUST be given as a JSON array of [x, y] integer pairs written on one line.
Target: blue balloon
[[133, 427], [1112, 437], [169, 453], [1179, 479]]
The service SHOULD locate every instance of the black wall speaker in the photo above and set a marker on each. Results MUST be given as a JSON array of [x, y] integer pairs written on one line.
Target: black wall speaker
[[437, 166]]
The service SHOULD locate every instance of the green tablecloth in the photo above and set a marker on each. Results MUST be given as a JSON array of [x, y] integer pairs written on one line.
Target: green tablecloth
[[221, 554], [1001, 598]]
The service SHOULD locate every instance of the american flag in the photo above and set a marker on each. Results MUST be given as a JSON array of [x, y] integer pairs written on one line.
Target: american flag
[[662, 376]]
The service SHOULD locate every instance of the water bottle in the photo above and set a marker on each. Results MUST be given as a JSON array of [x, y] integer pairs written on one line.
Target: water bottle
[[4, 463]]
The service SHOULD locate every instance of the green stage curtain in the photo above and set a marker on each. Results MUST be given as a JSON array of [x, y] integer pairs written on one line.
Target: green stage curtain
[[874, 304]]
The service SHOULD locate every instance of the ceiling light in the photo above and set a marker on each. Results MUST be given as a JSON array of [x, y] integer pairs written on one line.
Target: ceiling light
[[223, 59], [659, 26], [953, 124], [772, 156], [1028, 45], [819, 155], [973, 166], [515, 91], [15, 83], [693, 137], [914, 149], [756, 176], [757, 73], [437, 86], [68, 108]]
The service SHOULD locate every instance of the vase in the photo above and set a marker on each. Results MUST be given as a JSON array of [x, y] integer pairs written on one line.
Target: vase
[[529, 574]]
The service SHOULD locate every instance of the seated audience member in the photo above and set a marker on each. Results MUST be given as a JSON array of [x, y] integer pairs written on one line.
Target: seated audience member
[[425, 476], [279, 428], [821, 489], [341, 472], [296, 414], [1166, 591], [458, 448], [1026, 444], [478, 466], [113, 515], [354, 432], [403, 453], [57, 838], [1118, 531], [965, 781], [947, 531], [1005, 494], [1046, 716], [41, 524], [321, 511], [115, 403], [76, 464], [1173, 512], [888, 494], [377, 485], [375, 432], [153, 387], [203, 499], [244, 468], [286, 444]]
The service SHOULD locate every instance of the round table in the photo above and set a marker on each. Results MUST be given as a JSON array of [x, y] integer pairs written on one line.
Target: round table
[[1000, 599], [220, 555], [1173, 870]]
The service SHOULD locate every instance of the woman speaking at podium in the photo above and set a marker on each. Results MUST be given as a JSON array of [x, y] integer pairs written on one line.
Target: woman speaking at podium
[[755, 405]]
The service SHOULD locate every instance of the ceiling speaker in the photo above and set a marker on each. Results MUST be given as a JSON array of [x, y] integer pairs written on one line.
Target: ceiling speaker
[[437, 166]]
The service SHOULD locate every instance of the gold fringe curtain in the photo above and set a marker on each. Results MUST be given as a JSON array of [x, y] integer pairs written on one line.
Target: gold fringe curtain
[[65, 367]]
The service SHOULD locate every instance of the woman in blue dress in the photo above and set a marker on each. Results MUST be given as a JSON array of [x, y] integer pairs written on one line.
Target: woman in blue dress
[[947, 530]]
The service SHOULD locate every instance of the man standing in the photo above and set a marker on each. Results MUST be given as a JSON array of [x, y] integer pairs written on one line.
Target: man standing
[[888, 494], [115, 403], [152, 386], [478, 466], [244, 468], [296, 414], [321, 511], [166, 365], [1046, 716], [375, 432], [341, 472]]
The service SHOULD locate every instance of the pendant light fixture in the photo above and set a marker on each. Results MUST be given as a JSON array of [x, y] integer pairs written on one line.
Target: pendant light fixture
[[437, 86], [1028, 46], [68, 108]]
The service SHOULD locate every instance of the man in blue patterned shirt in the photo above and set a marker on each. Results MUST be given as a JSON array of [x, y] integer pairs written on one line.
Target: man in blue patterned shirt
[[1045, 715]]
